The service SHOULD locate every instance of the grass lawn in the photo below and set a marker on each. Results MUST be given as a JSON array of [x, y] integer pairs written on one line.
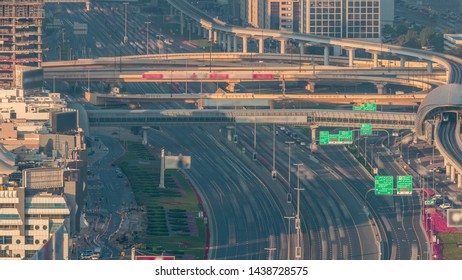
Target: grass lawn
[[450, 249], [172, 225]]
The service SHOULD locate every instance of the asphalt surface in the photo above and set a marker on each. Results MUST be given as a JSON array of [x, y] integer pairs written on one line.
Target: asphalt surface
[[401, 214]]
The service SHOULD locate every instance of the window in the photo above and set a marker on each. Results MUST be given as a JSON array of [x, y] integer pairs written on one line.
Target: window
[[45, 227], [29, 239], [29, 227], [18, 241], [44, 241], [6, 239], [37, 227], [37, 241], [30, 253]]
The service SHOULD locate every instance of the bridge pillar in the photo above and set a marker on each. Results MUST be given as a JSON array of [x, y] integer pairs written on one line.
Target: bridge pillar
[[229, 43], [244, 43], [261, 45], [429, 67], [283, 45], [145, 135], [351, 57], [326, 55], [87, 6], [313, 145], [215, 37], [453, 173], [231, 86], [234, 43], [380, 88], [301, 45], [210, 35], [459, 180], [448, 168], [230, 134], [375, 57], [181, 23], [402, 62], [310, 86]]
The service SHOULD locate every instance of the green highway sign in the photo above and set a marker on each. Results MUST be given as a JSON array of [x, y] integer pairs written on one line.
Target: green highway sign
[[324, 137], [365, 129], [366, 107], [370, 107], [343, 137], [429, 202], [384, 185], [404, 184]]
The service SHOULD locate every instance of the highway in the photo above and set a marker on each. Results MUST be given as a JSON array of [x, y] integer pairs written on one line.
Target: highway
[[333, 219], [243, 208], [448, 136], [402, 213]]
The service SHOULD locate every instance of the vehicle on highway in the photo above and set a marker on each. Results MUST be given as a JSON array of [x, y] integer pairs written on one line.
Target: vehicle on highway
[[86, 255], [445, 117]]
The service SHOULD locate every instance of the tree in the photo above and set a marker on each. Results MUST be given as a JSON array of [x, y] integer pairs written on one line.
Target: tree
[[425, 36]]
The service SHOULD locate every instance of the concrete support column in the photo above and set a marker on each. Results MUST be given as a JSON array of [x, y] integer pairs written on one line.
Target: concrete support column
[[261, 45], [459, 180], [181, 23], [351, 57], [326, 55], [429, 67], [380, 88], [376, 59], [230, 134], [301, 45], [231, 86], [229, 43], [145, 135], [402, 61], [453, 173], [215, 37], [234, 43], [283, 45], [310, 86], [244, 44], [210, 35], [313, 145], [87, 6], [448, 169]]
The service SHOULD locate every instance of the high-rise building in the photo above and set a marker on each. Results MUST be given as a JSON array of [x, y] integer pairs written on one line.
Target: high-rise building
[[358, 19], [322, 17], [252, 13], [362, 19], [283, 15], [21, 38]]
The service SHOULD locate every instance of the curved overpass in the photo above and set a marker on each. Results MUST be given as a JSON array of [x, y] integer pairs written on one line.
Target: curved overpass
[[436, 106], [452, 64]]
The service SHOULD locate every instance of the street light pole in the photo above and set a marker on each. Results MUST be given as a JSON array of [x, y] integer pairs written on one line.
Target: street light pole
[[147, 36], [289, 143], [125, 36], [298, 248], [288, 235]]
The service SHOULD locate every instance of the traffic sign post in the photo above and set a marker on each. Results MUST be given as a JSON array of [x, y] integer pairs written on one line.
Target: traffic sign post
[[384, 185], [365, 129], [404, 185]]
